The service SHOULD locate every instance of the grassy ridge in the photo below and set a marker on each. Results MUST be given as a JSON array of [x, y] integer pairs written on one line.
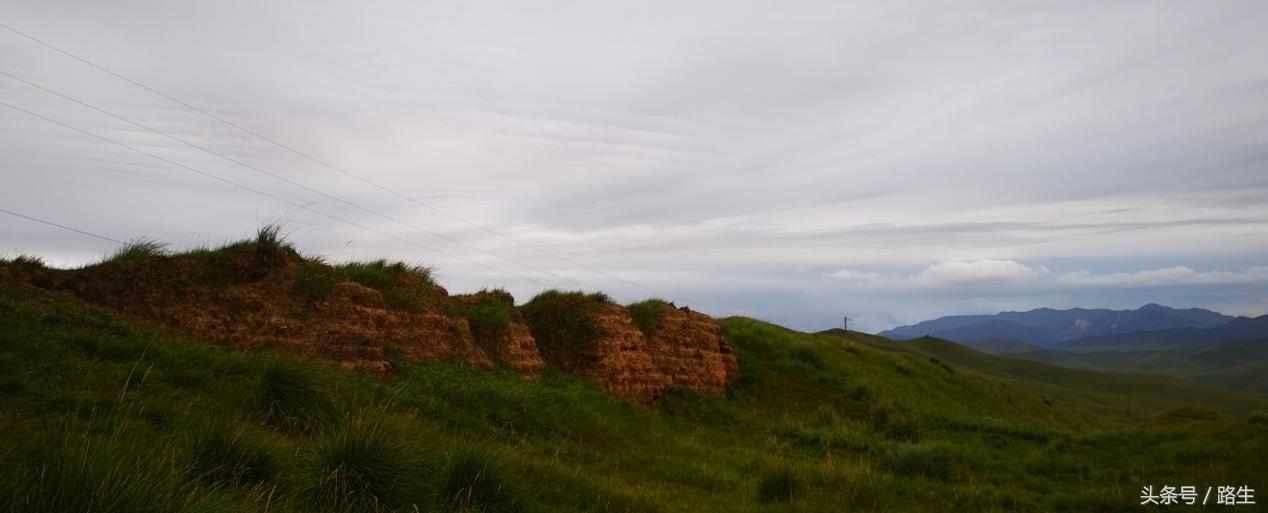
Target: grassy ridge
[[1239, 365], [95, 411], [1111, 396]]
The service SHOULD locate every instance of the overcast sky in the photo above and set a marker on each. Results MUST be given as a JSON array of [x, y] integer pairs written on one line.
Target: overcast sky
[[791, 161]]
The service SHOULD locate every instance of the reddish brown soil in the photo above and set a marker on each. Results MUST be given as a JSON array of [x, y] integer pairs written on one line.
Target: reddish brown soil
[[686, 350], [248, 305], [689, 349], [621, 360], [254, 297], [513, 344]]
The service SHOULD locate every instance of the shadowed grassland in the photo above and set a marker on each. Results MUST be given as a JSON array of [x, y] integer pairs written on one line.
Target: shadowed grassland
[[1109, 395], [98, 414]]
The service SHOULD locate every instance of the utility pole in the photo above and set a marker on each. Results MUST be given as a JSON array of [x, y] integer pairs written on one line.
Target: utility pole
[[845, 323]]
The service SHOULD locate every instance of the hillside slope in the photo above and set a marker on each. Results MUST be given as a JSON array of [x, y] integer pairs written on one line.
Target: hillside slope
[[1236, 365], [1110, 395], [99, 412]]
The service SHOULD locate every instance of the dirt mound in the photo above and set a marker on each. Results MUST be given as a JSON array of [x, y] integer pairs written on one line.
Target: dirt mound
[[589, 335], [264, 295], [621, 359], [499, 329], [252, 296], [689, 349]]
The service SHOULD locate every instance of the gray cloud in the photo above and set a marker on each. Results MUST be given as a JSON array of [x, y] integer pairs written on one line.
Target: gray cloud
[[1169, 277], [733, 153]]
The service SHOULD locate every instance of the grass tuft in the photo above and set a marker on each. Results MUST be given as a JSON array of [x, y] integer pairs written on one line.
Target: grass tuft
[[473, 481], [232, 456], [807, 354], [896, 423], [915, 460], [404, 286], [648, 314], [270, 235], [778, 485], [292, 398], [101, 474], [360, 466], [563, 319], [139, 250], [826, 415], [272, 249], [1189, 413], [27, 261], [488, 316], [314, 281]]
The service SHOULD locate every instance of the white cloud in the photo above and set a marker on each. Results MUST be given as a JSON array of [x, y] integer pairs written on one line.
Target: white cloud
[[850, 275], [666, 144], [1171, 276], [971, 273], [977, 273]]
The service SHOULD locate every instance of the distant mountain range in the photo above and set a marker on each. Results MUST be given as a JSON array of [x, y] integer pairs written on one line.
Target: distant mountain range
[[1237, 329], [1151, 326]]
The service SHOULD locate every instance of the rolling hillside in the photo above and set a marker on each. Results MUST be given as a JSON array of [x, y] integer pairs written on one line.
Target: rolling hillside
[[1114, 395], [1235, 365], [105, 413]]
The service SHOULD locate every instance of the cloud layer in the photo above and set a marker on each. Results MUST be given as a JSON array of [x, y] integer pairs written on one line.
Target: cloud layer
[[1169, 277], [793, 162]]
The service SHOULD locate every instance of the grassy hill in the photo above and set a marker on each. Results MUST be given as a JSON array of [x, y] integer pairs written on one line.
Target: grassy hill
[[999, 346], [98, 414], [1239, 365], [1110, 395]]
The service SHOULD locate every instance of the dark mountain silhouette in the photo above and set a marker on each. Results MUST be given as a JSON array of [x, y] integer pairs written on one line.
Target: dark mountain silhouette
[[1047, 327], [1240, 328]]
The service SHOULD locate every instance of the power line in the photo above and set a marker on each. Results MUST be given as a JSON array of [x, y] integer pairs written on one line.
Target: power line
[[323, 163], [64, 227], [282, 178], [265, 194]]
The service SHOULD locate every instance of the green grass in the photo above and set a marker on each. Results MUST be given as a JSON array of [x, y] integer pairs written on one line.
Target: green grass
[[24, 261], [84, 470], [362, 465], [648, 314], [139, 250], [223, 454], [314, 281], [291, 396], [778, 485], [404, 286], [98, 414], [1237, 365], [474, 480], [1093, 394], [563, 319], [895, 422], [490, 315], [929, 462]]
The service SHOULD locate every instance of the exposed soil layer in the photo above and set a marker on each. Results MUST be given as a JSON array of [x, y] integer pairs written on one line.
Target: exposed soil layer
[[689, 349], [509, 340], [248, 301], [685, 350], [252, 296]]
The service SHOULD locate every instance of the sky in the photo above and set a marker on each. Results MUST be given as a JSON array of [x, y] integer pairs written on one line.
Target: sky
[[795, 161]]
